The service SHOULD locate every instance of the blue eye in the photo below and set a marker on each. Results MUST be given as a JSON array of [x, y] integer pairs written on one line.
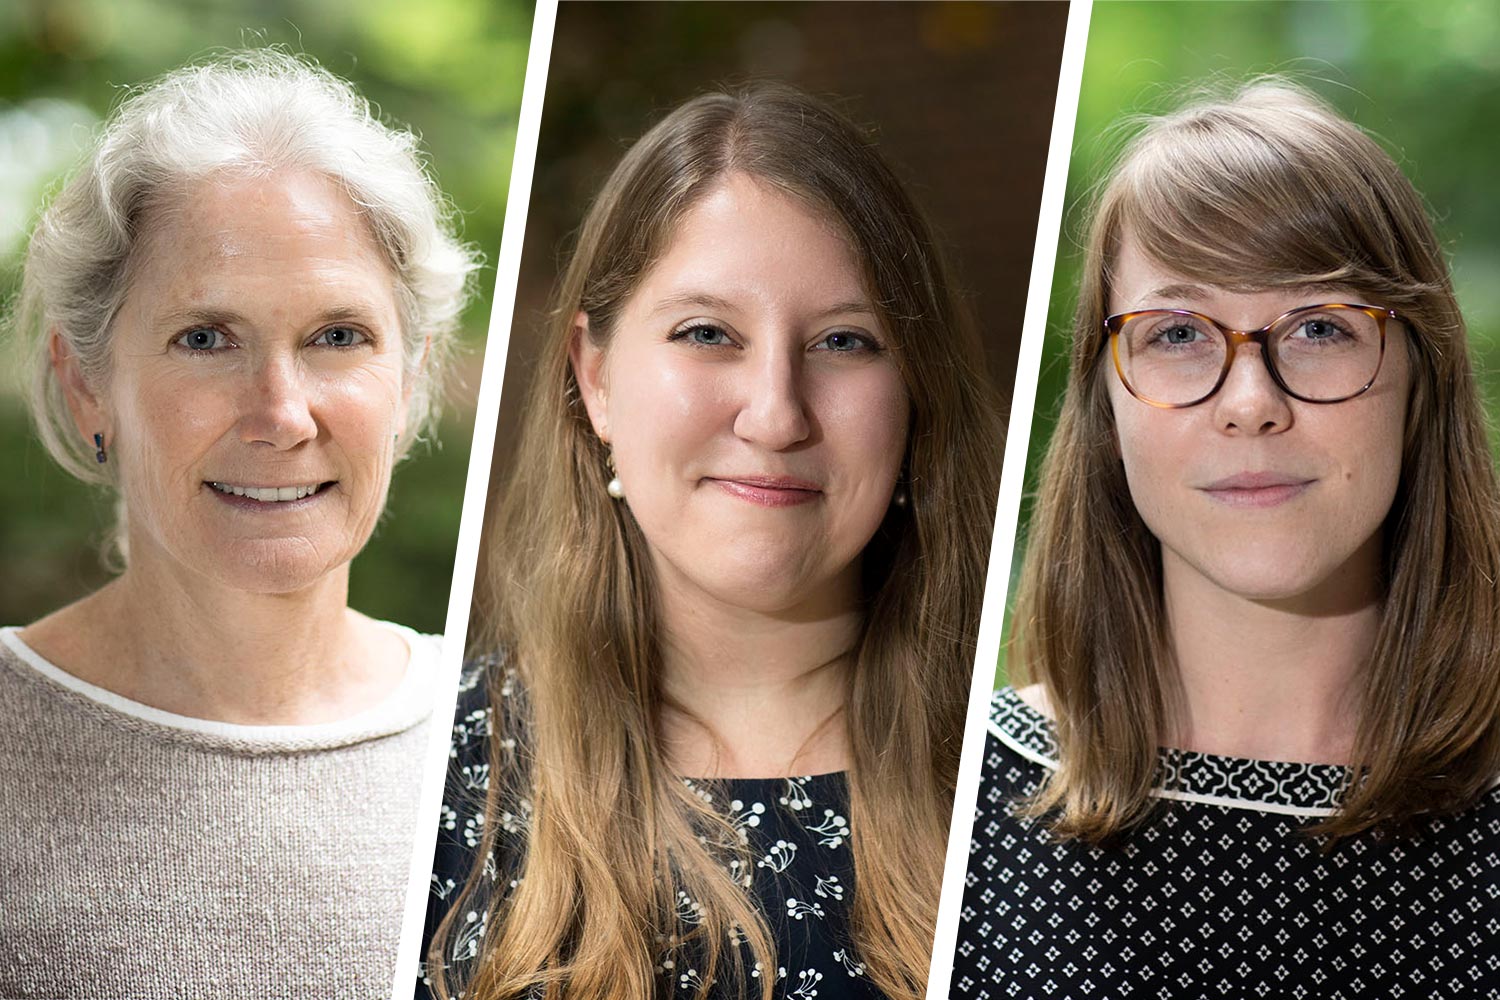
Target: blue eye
[[845, 341], [1169, 334], [703, 335], [202, 338], [340, 336], [1319, 329], [1182, 334]]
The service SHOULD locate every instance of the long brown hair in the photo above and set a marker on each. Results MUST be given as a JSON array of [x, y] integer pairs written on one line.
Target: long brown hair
[[614, 833], [1267, 188]]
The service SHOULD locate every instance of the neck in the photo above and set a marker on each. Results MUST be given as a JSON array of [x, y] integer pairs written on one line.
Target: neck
[[1272, 679], [187, 644], [754, 694]]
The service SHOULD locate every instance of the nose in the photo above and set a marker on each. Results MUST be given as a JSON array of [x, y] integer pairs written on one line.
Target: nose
[[277, 405], [773, 405], [1250, 401]]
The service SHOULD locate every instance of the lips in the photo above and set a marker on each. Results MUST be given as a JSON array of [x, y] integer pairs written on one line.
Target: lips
[[768, 491], [1257, 489]]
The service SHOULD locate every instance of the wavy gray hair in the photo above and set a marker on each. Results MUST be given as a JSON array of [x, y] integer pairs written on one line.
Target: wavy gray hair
[[250, 112]]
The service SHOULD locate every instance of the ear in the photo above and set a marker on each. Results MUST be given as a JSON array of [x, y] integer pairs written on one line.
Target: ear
[[84, 403], [403, 412], [587, 359], [408, 385], [1114, 417], [422, 361]]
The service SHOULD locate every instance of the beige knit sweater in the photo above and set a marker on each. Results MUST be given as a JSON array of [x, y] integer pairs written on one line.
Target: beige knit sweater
[[145, 854]]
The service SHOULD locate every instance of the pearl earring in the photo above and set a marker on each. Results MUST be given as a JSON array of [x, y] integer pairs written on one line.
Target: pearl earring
[[901, 497], [614, 487]]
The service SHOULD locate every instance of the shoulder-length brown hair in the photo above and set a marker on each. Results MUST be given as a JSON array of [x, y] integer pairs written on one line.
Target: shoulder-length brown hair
[[1269, 188], [614, 832]]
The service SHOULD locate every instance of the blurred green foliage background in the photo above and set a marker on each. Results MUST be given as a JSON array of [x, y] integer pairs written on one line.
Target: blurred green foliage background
[[450, 70], [1423, 77]]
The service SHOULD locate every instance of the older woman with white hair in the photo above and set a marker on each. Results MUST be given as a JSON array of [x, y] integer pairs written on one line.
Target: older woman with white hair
[[210, 767]]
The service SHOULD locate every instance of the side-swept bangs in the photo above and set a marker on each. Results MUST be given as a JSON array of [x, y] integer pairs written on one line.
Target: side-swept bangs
[[1269, 187]]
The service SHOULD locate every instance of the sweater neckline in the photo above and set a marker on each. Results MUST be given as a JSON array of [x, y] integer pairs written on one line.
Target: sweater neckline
[[1286, 787], [405, 705]]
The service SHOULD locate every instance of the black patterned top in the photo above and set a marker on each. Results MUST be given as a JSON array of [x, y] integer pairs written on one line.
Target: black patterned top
[[1221, 893], [796, 828]]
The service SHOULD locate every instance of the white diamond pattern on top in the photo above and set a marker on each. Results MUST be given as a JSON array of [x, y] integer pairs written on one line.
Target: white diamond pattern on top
[[1221, 893]]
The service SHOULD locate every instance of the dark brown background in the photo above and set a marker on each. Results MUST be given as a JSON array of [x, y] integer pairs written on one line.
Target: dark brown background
[[958, 96]]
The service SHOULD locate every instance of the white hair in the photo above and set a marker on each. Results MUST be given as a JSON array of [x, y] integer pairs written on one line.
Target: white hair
[[249, 112]]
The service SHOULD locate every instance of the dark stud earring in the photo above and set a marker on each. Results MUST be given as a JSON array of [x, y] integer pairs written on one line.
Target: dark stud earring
[[100, 455]]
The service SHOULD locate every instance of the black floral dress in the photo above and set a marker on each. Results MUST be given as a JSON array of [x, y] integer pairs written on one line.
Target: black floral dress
[[801, 870], [1221, 893]]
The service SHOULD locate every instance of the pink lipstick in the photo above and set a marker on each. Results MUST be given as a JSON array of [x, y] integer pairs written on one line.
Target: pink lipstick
[[768, 491]]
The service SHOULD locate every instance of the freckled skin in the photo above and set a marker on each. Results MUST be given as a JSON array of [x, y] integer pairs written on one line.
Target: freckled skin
[[1323, 539], [768, 397], [277, 262]]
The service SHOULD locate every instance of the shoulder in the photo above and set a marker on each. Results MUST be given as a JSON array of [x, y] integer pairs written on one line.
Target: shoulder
[[39, 706], [421, 651], [1020, 748], [1036, 696], [1019, 757], [489, 732], [18, 661], [78, 641], [481, 836], [483, 714], [490, 703], [1021, 721]]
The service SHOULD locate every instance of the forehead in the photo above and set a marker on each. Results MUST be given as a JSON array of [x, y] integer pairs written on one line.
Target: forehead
[[1139, 280], [245, 243], [750, 244]]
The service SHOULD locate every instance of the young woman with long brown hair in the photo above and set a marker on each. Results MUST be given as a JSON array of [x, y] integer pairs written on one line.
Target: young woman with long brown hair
[[1267, 538], [736, 577]]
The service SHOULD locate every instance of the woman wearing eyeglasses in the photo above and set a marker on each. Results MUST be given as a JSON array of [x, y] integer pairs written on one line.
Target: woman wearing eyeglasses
[[1259, 623]]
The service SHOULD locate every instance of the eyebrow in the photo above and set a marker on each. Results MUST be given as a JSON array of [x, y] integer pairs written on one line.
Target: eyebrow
[[1195, 293], [707, 300], [214, 315], [206, 315]]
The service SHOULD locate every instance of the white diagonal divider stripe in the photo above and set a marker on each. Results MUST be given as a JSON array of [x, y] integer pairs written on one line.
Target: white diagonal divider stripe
[[476, 489], [1002, 542]]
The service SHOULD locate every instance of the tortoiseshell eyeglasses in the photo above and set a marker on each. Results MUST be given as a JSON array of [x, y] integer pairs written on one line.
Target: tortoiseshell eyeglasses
[[1173, 358]]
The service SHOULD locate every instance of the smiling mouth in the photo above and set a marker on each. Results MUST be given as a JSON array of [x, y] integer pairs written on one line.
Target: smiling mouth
[[769, 491], [270, 494]]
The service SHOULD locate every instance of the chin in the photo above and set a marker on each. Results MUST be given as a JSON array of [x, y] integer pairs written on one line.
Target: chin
[[753, 590], [761, 602], [1268, 579], [283, 566], [1266, 591], [750, 581]]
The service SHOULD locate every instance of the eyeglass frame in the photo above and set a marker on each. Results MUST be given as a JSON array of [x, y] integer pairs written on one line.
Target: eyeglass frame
[[1234, 338]]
